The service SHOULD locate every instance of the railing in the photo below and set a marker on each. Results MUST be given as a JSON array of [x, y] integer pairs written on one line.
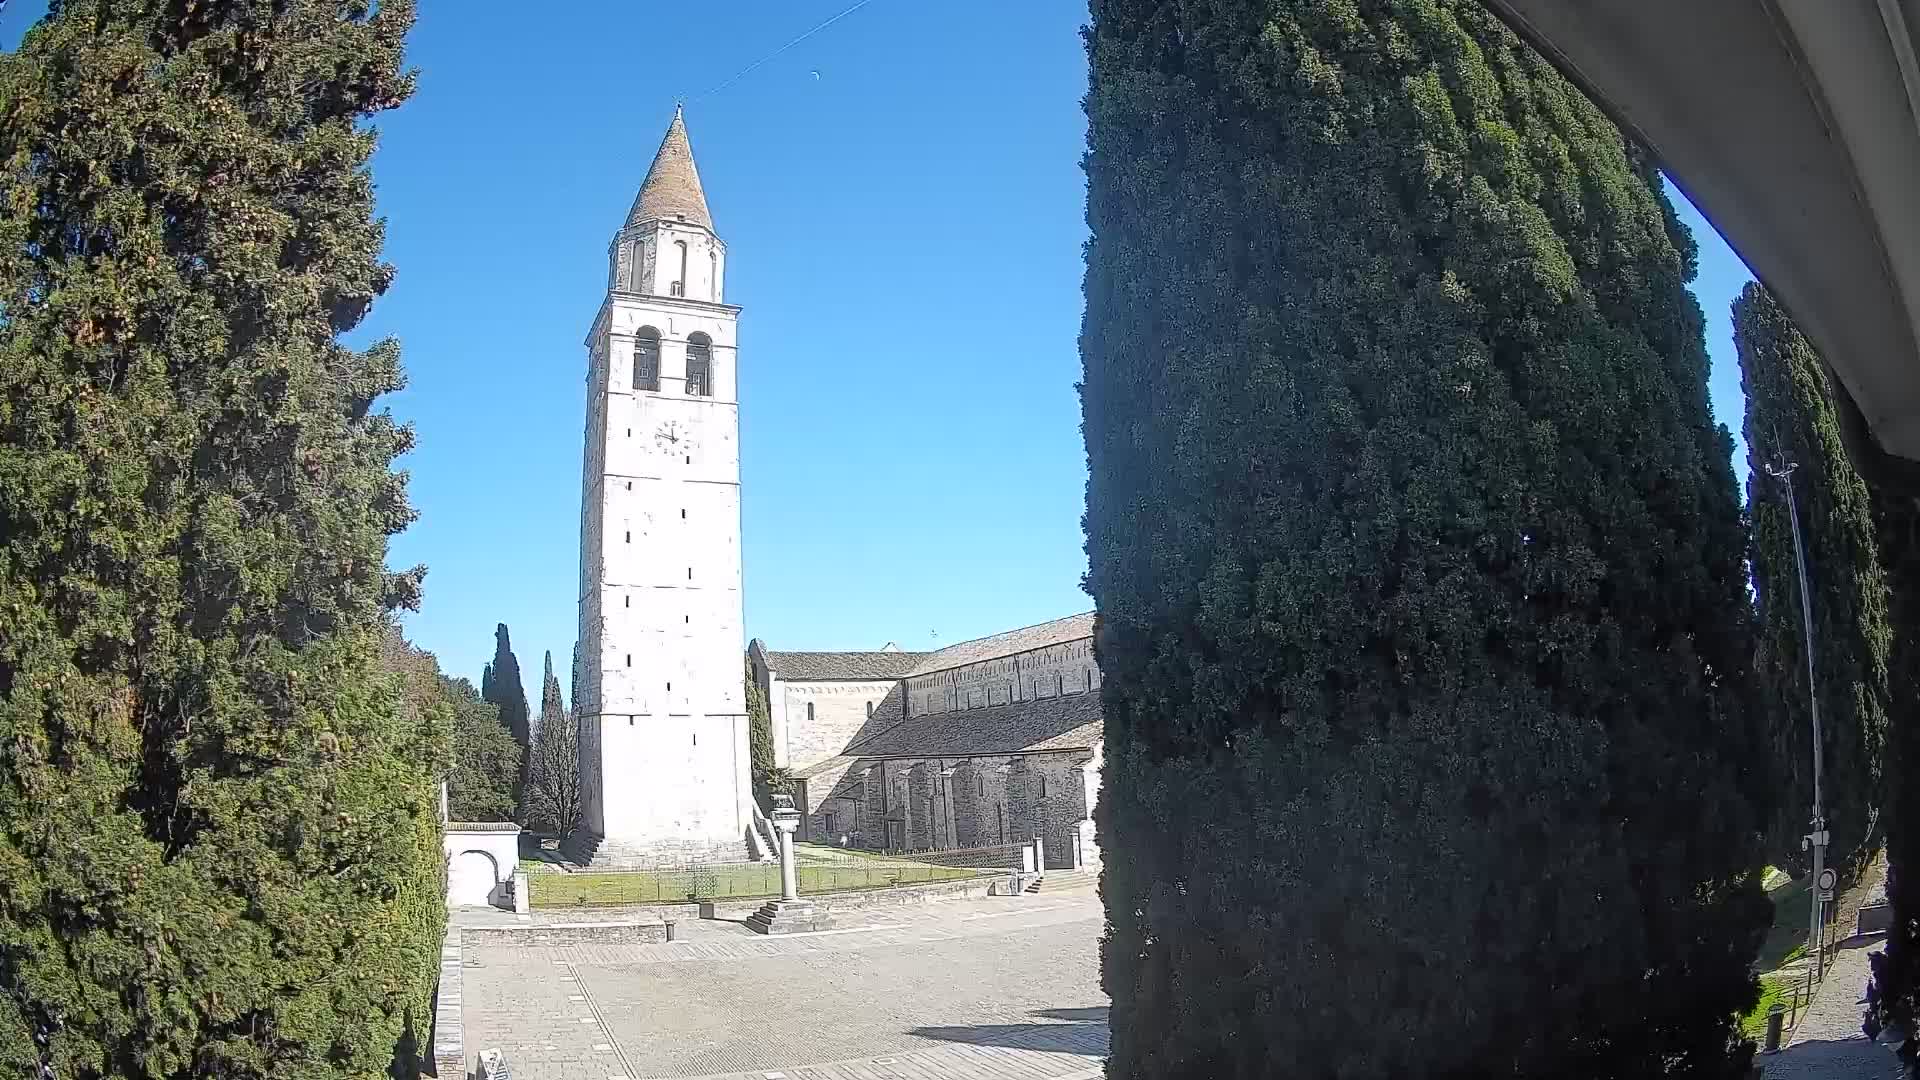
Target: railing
[[816, 870]]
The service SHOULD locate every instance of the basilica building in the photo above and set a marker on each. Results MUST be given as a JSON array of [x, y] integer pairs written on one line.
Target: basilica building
[[980, 744]]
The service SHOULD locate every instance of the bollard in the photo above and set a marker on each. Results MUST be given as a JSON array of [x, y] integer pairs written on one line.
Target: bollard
[[1776, 1018], [669, 929]]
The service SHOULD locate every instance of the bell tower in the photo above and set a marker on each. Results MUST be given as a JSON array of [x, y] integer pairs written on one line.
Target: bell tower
[[662, 710]]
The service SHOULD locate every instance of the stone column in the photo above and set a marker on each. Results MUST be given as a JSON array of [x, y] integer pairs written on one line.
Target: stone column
[[1039, 853], [786, 820]]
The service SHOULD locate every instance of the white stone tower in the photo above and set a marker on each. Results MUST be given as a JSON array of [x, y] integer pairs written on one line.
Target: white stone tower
[[663, 726]]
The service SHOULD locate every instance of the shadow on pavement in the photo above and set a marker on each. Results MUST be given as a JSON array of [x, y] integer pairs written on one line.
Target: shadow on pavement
[[1084, 1032], [1831, 1059]]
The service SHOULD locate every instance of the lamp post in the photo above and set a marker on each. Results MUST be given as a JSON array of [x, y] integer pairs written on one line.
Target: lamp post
[[1816, 839]]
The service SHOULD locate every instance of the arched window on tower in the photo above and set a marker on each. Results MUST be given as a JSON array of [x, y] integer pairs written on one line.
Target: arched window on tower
[[713, 276], [646, 359], [699, 366], [680, 283]]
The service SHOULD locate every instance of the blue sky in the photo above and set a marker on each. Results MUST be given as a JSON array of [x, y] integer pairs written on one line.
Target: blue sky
[[904, 211]]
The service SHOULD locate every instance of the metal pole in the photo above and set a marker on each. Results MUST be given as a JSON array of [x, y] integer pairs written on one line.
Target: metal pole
[[1817, 839]]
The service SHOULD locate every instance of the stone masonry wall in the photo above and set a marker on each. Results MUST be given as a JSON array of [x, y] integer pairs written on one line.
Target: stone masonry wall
[[839, 709]]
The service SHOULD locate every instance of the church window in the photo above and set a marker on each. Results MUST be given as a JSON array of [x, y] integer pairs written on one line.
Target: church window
[[809, 712], [646, 359], [713, 275], [1059, 683], [683, 513], [629, 659], [1043, 787], [983, 784], [626, 601], [680, 286], [869, 710], [699, 366], [629, 536]]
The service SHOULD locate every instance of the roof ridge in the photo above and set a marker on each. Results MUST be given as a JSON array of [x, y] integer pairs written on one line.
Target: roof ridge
[[1015, 630]]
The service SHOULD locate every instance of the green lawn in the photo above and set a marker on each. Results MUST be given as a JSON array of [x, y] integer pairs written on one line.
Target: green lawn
[[739, 881], [1787, 938], [1773, 989]]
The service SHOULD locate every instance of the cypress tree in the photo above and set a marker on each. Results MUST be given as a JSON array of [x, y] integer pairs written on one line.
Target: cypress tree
[[500, 685], [219, 840], [759, 739], [1896, 973], [553, 766], [551, 707], [1418, 561], [1791, 416]]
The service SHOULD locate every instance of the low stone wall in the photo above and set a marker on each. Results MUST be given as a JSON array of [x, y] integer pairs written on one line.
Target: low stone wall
[[448, 1040], [632, 932]]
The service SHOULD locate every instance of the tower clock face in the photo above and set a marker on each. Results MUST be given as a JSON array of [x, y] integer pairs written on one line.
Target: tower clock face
[[673, 438]]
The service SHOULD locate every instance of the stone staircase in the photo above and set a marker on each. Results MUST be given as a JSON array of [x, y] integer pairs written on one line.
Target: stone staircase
[[588, 851], [1064, 881]]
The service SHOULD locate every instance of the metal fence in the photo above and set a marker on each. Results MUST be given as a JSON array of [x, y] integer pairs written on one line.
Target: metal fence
[[816, 870]]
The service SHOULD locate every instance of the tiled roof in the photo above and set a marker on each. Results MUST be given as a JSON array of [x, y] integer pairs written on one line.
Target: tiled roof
[[672, 189], [1069, 722], [1025, 639], [833, 666]]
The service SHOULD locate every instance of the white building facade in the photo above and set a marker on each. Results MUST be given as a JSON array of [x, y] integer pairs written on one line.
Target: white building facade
[[661, 709]]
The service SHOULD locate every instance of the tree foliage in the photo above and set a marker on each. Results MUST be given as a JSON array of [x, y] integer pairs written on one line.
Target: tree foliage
[[553, 768], [1897, 972], [1791, 415], [1418, 561], [486, 760], [553, 778], [759, 739], [219, 841], [500, 686]]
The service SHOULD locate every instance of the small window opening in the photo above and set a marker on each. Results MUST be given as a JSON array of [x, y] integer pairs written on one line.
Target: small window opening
[[629, 537], [1043, 787], [869, 710], [629, 659], [809, 712], [683, 513]]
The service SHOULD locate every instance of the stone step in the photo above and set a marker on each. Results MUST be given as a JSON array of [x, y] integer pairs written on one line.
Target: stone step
[[789, 917], [1062, 880]]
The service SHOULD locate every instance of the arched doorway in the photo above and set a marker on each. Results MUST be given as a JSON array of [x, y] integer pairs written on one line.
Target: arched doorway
[[471, 879]]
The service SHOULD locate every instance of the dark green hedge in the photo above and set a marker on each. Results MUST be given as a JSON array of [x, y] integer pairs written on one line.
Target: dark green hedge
[[1791, 412], [1418, 560]]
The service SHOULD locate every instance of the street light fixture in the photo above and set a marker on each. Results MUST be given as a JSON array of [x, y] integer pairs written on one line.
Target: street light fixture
[[1817, 838]]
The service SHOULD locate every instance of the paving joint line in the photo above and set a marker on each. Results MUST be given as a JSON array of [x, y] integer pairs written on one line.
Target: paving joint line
[[606, 1029]]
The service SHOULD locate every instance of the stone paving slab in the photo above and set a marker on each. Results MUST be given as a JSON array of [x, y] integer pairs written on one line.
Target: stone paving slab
[[1005, 990]]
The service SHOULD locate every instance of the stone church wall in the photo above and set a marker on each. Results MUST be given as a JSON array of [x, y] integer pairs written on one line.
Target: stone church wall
[[839, 709], [1066, 668], [907, 804]]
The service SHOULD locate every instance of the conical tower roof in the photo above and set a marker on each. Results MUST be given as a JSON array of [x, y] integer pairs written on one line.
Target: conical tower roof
[[672, 188]]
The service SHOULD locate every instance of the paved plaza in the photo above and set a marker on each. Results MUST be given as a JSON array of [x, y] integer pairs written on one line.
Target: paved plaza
[[1001, 988]]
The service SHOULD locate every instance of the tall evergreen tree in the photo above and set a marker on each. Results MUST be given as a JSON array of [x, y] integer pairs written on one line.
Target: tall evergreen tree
[[1897, 972], [219, 839], [1791, 416], [500, 685], [551, 706], [1418, 561], [759, 739]]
